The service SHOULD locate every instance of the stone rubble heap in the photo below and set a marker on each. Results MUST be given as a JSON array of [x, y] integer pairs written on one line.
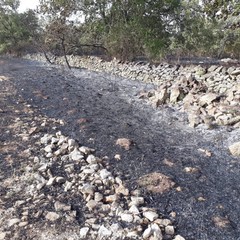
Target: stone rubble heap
[[201, 104], [209, 95], [112, 211], [65, 170]]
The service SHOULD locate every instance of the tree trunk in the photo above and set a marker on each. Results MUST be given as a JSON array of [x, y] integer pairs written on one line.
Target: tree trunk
[[47, 58], [45, 54], [64, 52]]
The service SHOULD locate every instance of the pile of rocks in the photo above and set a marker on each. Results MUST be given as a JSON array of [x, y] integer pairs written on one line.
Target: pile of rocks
[[218, 78], [209, 95], [199, 101], [65, 170], [113, 212]]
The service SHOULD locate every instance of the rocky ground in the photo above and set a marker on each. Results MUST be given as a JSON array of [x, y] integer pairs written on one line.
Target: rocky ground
[[82, 156]]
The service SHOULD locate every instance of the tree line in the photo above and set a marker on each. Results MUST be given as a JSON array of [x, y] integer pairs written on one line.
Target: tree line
[[125, 29]]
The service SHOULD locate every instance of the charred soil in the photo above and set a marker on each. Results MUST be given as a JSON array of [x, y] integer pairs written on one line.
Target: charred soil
[[97, 109]]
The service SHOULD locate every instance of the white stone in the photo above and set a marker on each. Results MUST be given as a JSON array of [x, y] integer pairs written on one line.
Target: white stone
[[91, 204], [118, 181], [169, 230], [51, 181], [150, 215], [61, 206], [76, 155], [52, 216], [49, 155], [13, 221], [45, 139], [58, 152], [54, 140], [104, 173], [178, 237], [115, 227], [105, 208], [98, 197], [91, 159], [236, 72], [162, 96], [126, 217], [86, 150], [2, 235], [23, 224], [83, 232], [175, 92], [43, 168], [67, 186], [134, 210], [94, 167], [121, 189], [147, 233], [62, 140], [157, 233], [60, 180], [163, 222], [104, 232], [19, 203], [136, 201], [88, 171], [132, 235], [235, 149], [48, 149], [71, 143], [111, 198], [87, 188], [207, 98]]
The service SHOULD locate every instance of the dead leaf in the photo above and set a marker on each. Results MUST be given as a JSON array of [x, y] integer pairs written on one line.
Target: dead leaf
[[124, 142], [190, 170], [117, 157], [3, 78], [168, 162], [201, 199], [82, 120], [156, 182], [221, 222], [206, 152], [33, 130]]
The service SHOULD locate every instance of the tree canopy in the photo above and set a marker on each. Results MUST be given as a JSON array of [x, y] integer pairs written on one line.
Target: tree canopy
[[125, 29]]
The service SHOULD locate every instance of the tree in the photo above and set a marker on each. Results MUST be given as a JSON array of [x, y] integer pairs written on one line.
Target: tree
[[208, 29], [129, 28], [59, 24], [9, 6], [16, 29]]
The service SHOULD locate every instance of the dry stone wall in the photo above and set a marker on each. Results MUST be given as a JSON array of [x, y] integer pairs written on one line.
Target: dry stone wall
[[210, 95]]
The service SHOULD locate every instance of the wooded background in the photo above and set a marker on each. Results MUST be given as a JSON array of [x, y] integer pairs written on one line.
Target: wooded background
[[125, 29]]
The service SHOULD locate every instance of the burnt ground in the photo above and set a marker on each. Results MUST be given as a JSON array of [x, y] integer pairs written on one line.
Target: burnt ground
[[98, 109]]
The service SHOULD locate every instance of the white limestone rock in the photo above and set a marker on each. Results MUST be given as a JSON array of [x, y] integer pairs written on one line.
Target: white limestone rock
[[52, 216], [104, 173], [84, 232], [75, 155], [104, 233], [150, 215], [126, 217], [235, 149]]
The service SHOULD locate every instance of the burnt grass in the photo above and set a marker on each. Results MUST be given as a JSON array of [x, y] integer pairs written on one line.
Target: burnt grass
[[98, 109]]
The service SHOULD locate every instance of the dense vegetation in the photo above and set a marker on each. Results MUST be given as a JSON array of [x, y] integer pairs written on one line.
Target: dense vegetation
[[125, 29]]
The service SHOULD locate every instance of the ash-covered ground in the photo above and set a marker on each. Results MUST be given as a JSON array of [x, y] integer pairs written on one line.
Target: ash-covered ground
[[97, 109]]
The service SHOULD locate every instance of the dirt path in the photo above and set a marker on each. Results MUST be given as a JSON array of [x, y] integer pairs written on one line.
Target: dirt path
[[98, 109]]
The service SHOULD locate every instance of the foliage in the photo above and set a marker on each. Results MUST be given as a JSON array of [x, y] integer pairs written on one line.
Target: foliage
[[129, 28], [16, 29], [210, 30], [125, 29]]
